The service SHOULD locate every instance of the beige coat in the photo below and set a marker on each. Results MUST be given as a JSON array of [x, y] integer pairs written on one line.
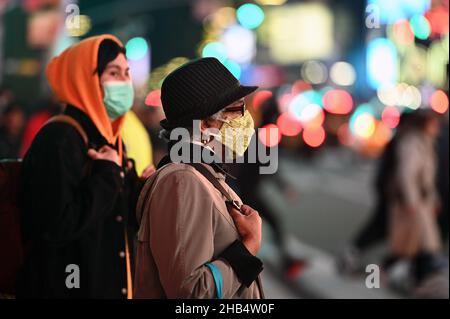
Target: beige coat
[[185, 224], [414, 179]]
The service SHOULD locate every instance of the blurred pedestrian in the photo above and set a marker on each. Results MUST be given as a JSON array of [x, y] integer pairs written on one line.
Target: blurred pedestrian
[[376, 229], [12, 121], [79, 199], [413, 199], [196, 238]]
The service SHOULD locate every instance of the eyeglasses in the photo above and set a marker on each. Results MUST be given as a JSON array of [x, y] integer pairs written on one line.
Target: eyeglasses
[[239, 108]]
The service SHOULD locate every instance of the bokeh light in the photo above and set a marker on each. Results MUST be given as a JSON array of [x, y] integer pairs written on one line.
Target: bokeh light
[[239, 43], [409, 96], [437, 63], [362, 122], [271, 2], [314, 137], [439, 102], [420, 27], [391, 11], [216, 50], [261, 97], [390, 116], [403, 33], [381, 63], [223, 18], [300, 86], [80, 29], [305, 105], [234, 68], [250, 15], [136, 48], [153, 98], [338, 102], [439, 20], [402, 95], [381, 135], [343, 73], [314, 72], [269, 135], [288, 125], [312, 116]]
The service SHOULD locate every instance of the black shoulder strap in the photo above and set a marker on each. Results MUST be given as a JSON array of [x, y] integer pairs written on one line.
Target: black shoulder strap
[[213, 180]]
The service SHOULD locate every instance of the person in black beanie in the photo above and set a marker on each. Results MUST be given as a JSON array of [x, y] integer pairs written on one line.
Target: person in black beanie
[[196, 238]]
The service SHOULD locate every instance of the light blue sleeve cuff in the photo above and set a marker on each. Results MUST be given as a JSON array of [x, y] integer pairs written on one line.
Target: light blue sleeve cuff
[[217, 278]]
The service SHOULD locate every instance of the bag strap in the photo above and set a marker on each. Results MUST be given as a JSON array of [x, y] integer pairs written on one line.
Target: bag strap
[[71, 121], [213, 180], [145, 192]]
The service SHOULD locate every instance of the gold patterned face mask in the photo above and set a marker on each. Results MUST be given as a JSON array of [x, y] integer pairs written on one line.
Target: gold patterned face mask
[[236, 133]]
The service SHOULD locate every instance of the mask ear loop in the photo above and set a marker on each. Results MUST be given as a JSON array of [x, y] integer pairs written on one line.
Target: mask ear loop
[[206, 133]]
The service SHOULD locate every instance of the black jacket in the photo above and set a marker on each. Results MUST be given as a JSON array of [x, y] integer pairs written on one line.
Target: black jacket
[[75, 211]]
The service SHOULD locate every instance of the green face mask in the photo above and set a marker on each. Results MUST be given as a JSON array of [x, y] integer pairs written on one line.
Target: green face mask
[[118, 98]]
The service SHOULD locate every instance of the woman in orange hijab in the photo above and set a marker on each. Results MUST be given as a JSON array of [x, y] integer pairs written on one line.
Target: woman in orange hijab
[[79, 197]]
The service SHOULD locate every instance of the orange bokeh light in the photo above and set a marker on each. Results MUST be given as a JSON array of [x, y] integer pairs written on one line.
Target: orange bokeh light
[[403, 33], [439, 102], [314, 137]]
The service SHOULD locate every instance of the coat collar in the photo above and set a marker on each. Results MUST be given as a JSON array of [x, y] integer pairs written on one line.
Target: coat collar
[[219, 169]]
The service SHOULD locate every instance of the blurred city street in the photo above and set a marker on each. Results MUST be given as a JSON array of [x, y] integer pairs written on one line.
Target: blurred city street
[[335, 200]]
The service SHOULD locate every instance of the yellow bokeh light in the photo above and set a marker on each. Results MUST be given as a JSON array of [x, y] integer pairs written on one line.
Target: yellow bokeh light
[[289, 34], [365, 125], [271, 2], [80, 28]]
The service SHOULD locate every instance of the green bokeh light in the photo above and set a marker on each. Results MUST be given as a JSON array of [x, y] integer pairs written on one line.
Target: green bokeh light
[[420, 27], [216, 50], [250, 15], [136, 48]]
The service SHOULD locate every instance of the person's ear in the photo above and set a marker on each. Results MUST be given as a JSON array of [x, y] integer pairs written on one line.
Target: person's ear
[[204, 125]]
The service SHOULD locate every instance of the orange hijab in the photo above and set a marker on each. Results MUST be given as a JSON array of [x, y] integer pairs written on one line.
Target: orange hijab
[[74, 80]]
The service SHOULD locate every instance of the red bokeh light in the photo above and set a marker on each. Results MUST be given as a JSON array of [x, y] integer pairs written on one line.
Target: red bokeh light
[[153, 98], [260, 97], [300, 86], [288, 125], [439, 20], [390, 116], [338, 102]]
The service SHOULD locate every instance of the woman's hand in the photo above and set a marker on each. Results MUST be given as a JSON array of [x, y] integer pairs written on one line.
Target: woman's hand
[[105, 153]]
